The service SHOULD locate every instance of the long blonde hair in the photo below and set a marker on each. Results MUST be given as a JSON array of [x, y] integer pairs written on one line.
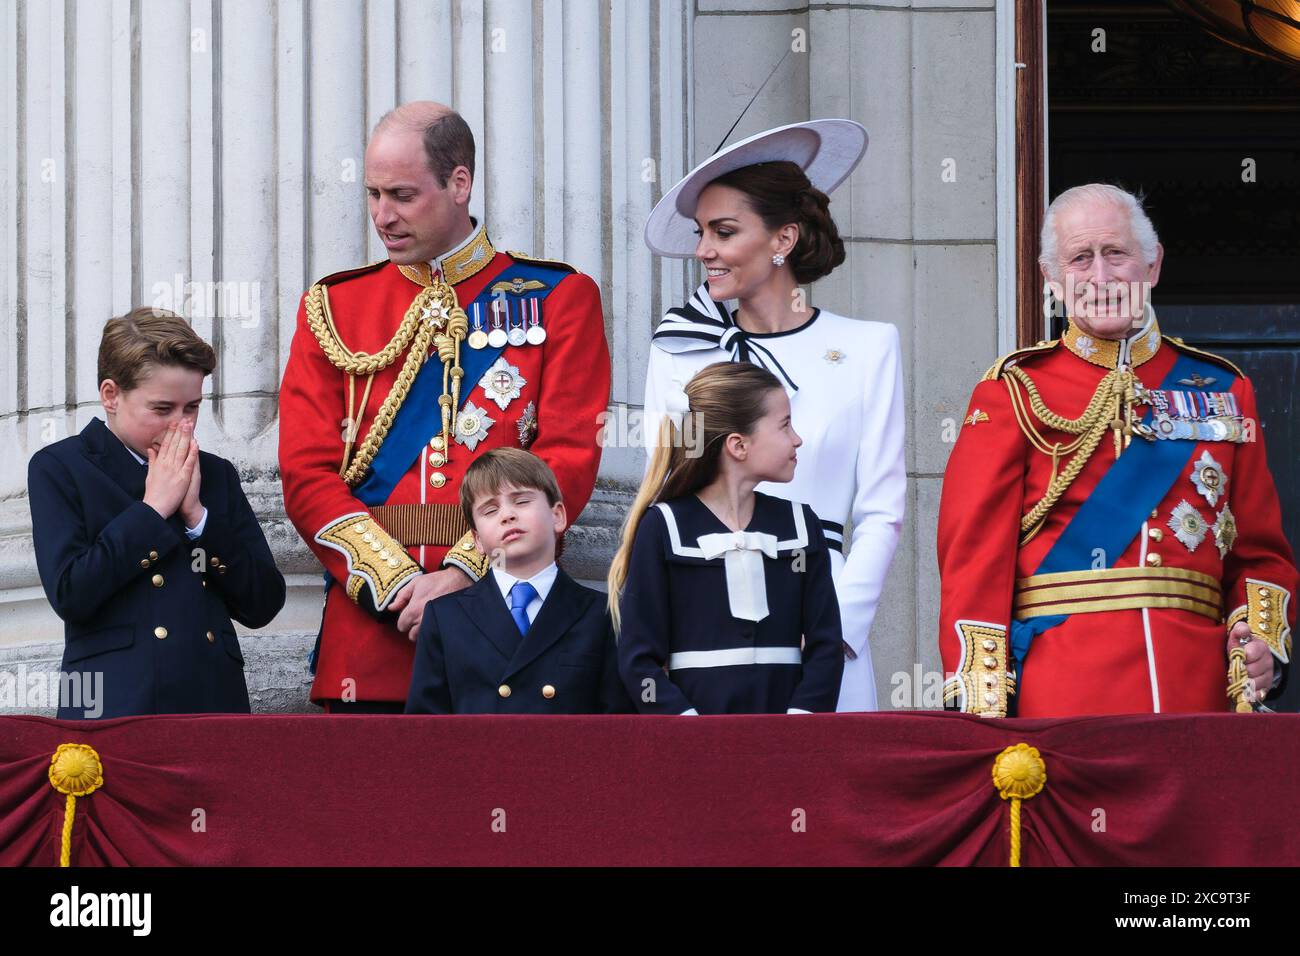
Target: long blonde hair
[[725, 398]]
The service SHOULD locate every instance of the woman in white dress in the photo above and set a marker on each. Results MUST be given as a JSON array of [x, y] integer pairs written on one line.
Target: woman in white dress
[[755, 216]]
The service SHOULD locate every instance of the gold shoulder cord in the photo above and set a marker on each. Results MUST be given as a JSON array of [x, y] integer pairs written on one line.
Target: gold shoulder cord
[[434, 316], [1110, 409]]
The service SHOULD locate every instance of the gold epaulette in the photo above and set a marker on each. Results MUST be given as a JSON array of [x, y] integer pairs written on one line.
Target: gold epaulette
[[996, 369], [1201, 353], [346, 274], [524, 257]]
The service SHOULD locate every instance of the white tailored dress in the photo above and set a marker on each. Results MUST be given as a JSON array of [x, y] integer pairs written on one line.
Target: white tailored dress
[[844, 379]]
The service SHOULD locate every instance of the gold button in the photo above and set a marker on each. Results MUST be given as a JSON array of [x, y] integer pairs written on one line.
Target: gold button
[[990, 662], [222, 569], [504, 690], [153, 555], [548, 691], [393, 562], [990, 699], [436, 442], [367, 537], [1155, 534], [1153, 560], [144, 562], [359, 527], [160, 632], [157, 580], [437, 459], [214, 562], [467, 546], [203, 581], [437, 479], [990, 646], [1155, 513], [211, 637], [376, 546]]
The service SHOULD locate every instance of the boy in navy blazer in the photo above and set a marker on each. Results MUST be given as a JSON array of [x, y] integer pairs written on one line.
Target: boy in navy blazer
[[146, 546], [525, 638]]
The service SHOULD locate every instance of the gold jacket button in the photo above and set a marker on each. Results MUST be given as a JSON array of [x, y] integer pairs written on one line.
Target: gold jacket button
[[153, 555], [504, 690], [157, 580], [203, 581], [437, 479], [211, 637], [548, 691], [1154, 560], [1155, 534], [160, 632], [1155, 512], [436, 442], [214, 562], [144, 562], [221, 569], [437, 459]]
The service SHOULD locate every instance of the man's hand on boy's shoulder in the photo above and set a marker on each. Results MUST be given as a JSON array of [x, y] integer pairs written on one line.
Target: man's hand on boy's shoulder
[[412, 598]]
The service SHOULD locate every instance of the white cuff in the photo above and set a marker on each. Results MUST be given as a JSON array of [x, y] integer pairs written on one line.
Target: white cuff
[[197, 530], [689, 713], [796, 710]]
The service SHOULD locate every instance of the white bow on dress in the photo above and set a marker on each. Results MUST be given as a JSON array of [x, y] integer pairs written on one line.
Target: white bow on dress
[[743, 556]]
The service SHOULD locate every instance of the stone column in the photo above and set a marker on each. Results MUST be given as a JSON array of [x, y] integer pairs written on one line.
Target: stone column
[[207, 157]]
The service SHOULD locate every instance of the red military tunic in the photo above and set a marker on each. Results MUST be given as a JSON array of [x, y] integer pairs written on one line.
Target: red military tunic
[[564, 390], [1140, 631]]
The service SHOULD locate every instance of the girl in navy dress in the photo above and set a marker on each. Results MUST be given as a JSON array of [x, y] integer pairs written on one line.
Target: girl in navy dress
[[721, 596]]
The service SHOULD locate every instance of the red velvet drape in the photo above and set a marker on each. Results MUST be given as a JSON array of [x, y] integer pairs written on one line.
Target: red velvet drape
[[873, 789]]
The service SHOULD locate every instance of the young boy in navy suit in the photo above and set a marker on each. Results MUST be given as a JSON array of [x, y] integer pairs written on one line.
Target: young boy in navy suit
[[525, 638], [147, 547]]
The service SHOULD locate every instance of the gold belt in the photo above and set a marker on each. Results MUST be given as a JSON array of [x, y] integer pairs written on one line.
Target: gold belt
[[1116, 589], [412, 525]]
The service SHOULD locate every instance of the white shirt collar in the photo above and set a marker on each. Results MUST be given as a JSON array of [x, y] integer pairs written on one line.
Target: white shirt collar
[[541, 581], [127, 447]]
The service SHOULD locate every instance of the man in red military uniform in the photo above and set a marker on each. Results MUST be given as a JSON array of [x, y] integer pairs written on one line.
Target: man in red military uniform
[[1109, 529], [399, 375]]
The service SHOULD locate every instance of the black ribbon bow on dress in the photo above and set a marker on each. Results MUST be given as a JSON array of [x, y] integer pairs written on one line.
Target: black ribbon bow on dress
[[703, 323]]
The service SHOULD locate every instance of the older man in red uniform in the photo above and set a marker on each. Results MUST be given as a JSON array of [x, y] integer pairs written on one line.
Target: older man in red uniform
[[1109, 529], [399, 375]]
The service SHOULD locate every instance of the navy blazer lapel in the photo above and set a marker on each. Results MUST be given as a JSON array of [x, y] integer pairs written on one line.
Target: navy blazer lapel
[[487, 611], [564, 604], [108, 453]]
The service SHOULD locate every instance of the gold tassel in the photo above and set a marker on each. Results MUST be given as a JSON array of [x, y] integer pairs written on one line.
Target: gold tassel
[[75, 770], [1018, 774]]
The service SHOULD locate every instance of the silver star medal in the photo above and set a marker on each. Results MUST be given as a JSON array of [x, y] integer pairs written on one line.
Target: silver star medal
[[1188, 526], [1209, 479], [472, 425], [502, 383]]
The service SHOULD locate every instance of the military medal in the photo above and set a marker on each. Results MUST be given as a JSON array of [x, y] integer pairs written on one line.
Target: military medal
[[497, 337], [516, 334], [477, 338], [1188, 526], [527, 425], [502, 383], [472, 425], [536, 334], [1225, 531], [1209, 479]]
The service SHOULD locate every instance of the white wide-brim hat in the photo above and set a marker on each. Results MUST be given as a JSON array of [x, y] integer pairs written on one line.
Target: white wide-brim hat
[[827, 150]]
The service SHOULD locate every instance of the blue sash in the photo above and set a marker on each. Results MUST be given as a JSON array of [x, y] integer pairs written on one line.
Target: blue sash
[[420, 417], [1113, 513]]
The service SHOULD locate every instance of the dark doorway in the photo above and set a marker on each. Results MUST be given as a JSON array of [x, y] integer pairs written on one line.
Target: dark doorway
[[1140, 96]]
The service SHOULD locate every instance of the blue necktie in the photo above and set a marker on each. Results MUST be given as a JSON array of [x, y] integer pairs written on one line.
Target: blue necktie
[[520, 595]]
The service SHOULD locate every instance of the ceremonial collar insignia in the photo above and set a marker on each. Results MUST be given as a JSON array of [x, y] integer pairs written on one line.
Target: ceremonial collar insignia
[[467, 259], [1108, 353]]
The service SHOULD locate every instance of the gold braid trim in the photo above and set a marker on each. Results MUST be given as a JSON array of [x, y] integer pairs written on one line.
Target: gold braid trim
[[1110, 409], [433, 318], [321, 323]]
